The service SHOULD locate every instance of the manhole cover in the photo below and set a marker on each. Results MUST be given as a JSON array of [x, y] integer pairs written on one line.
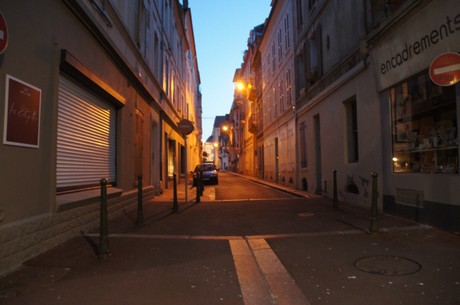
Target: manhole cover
[[388, 265]]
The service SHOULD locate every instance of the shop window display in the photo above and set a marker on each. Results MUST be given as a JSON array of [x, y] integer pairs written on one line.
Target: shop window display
[[425, 130]]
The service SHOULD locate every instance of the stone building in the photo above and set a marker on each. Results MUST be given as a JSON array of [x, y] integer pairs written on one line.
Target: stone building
[[92, 90], [346, 89], [337, 108], [266, 138]]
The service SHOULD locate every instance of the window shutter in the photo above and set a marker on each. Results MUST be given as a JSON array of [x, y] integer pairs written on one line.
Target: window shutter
[[86, 138]]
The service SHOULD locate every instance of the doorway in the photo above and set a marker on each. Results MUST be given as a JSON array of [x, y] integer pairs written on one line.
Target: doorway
[[276, 161], [318, 169]]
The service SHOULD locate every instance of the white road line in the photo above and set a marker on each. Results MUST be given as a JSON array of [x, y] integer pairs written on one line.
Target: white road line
[[262, 277], [253, 286], [283, 287]]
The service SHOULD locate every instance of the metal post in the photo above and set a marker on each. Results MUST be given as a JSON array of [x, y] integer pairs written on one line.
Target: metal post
[[175, 205], [335, 199], [103, 239], [197, 186], [201, 182], [374, 227], [140, 208], [186, 169]]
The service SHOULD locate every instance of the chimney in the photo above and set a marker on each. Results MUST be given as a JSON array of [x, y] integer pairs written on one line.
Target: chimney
[[185, 4]]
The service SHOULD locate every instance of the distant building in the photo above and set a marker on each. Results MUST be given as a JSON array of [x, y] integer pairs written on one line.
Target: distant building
[[220, 136]]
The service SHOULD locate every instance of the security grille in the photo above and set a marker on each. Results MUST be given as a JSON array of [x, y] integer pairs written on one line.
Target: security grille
[[86, 138]]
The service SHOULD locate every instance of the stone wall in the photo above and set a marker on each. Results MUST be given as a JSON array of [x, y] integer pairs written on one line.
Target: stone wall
[[24, 240]]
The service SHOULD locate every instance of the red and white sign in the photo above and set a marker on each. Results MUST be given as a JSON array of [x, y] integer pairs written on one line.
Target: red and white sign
[[3, 34], [445, 69]]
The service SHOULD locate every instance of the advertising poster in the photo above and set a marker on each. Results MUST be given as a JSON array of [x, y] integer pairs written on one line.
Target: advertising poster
[[22, 113]]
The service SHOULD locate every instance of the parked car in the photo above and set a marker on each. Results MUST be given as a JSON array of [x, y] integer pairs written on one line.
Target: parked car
[[209, 173]]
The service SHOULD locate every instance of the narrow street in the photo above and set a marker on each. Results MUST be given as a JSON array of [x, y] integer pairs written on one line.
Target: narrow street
[[251, 245]]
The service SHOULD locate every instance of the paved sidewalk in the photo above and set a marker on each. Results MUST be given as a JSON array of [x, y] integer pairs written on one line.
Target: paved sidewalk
[[293, 252]]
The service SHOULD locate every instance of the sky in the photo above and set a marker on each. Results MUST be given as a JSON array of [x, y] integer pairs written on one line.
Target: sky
[[221, 29]]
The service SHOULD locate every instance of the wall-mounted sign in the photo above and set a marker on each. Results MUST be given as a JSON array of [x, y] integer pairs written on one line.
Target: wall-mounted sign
[[445, 69], [3, 34], [22, 113], [185, 127], [411, 47]]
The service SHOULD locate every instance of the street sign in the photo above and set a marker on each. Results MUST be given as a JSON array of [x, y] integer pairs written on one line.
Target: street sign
[[445, 69], [185, 127], [3, 34]]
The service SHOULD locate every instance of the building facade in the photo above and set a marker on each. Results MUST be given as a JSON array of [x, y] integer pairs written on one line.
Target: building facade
[[338, 124], [91, 90], [244, 112], [419, 114], [339, 96], [266, 106]]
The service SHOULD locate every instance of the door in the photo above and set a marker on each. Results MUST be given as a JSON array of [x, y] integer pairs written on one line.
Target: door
[[276, 161], [318, 169]]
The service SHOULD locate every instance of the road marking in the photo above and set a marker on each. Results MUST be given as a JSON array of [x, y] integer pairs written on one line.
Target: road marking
[[262, 277], [254, 288], [251, 237]]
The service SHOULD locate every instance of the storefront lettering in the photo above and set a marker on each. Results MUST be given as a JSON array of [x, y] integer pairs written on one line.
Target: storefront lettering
[[24, 113], [450, 27]]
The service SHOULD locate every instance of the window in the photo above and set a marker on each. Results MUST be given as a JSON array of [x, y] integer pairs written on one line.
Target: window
[[300, 76], [299, 11], [352, 131], [288, 88], [287, 43], [315, 55], [281, 95], [303, 145], [424, 127], [280, 45]]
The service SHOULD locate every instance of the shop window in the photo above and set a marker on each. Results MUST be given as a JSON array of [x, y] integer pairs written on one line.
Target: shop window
[[424, 124]]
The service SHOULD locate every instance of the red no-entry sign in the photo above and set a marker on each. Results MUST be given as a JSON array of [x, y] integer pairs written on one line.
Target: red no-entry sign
[[3, 34], [445, 69]]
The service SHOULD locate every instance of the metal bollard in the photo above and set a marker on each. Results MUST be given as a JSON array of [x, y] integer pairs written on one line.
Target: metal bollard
[[103, 233], [175, 205], [197, 186], [335, 198], [374, 227], [201, 183], [140, 207]]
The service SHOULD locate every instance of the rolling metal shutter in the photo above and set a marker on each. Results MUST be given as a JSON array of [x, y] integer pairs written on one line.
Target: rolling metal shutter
[[86, 138]]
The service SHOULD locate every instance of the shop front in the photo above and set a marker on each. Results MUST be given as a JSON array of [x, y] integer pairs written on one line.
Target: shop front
[[420, 115]]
